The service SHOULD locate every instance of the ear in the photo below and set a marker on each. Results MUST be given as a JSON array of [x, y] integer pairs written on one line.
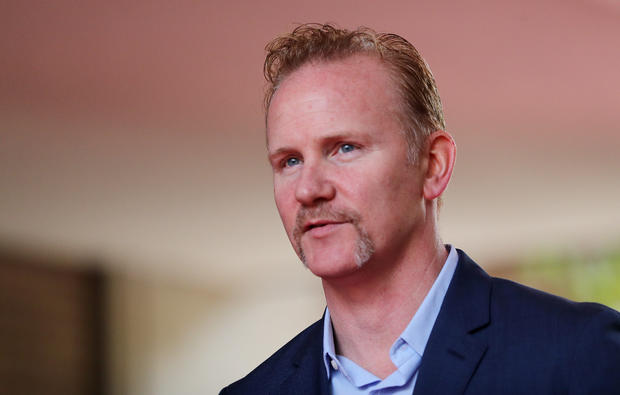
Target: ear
[[441, 156]]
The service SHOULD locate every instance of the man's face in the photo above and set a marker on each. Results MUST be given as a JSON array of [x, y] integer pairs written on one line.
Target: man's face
[[343, 186]]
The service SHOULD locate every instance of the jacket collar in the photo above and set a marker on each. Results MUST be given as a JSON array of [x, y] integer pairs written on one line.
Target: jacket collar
[[307, 375], [458, 340]]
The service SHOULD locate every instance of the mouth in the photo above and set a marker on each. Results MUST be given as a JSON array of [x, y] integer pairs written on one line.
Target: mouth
[[319, 224]]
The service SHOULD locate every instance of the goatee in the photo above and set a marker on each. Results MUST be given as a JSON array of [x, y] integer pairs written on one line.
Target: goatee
[[364, 247]]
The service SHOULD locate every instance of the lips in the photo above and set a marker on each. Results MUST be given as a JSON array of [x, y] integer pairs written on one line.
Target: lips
[[314, 224], [320, 220], [322, 229]]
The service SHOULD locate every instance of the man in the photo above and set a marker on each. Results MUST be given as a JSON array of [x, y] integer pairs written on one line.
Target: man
[[360, 158]]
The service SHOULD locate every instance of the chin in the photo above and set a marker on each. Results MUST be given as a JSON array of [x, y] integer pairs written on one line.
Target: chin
[[334, 257], [327, 267]]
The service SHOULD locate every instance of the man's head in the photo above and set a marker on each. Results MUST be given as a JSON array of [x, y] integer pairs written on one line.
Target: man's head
[[421, 112], [344, 182]]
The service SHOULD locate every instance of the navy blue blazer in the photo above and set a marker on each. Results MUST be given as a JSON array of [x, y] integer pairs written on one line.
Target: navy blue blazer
[[492, 336]]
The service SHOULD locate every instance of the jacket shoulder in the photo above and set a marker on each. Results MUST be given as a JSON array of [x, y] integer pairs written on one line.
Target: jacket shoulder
[[575, 343], [515, 301], [536, 342], [521, 301], [269, 375]]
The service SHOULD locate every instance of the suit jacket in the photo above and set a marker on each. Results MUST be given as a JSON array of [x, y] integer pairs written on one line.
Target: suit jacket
[[492, 336]]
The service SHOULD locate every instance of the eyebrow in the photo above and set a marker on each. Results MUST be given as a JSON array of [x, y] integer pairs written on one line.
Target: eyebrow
[[328, 138], [363, 137], [279, 152]]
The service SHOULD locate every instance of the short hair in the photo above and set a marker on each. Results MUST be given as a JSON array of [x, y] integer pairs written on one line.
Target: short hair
[[422, 112]]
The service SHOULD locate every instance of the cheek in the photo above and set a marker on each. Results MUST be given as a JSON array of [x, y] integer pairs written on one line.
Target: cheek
[[384, 193], [371, 185], [285, 203]]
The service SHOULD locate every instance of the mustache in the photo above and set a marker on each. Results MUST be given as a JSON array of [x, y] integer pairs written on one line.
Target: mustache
[[323, 212]]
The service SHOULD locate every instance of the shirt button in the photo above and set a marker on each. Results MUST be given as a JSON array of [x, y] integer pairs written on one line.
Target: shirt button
[[334, 364]]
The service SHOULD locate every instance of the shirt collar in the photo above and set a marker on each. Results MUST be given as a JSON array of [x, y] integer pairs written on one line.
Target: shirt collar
[[419, 328], [329, 349]]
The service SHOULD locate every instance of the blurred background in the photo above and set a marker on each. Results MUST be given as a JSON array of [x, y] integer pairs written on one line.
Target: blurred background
[[140, 248]]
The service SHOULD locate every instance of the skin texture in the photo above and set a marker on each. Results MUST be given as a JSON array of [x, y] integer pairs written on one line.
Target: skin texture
[[357, 212]]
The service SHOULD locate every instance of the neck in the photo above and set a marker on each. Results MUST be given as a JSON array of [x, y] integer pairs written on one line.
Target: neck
[[371, 308]]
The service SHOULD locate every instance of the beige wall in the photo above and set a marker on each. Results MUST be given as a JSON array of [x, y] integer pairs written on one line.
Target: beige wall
[[168, 338]]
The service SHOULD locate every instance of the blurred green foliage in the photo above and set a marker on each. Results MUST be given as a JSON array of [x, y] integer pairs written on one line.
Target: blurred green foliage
[[587, 276]]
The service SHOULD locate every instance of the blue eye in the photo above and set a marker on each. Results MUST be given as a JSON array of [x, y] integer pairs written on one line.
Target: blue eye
[[344, 148], [290, 162]]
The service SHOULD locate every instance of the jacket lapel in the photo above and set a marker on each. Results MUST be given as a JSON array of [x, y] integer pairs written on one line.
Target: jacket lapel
[[308, 375], [458, 340]]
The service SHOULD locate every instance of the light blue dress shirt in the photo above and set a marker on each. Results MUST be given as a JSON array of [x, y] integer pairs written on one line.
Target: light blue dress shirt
[[346, 377]]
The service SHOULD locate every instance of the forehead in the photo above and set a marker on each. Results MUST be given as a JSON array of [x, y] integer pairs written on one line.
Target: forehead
[[359, 87]]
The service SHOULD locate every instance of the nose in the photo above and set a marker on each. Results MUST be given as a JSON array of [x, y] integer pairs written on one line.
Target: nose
[[313, 185]]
